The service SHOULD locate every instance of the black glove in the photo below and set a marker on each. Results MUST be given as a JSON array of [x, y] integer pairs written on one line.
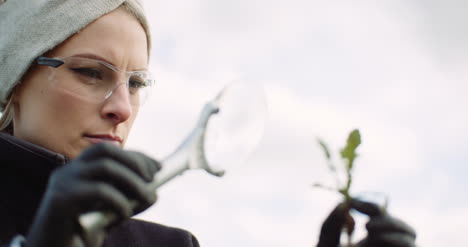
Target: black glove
[[331, 228], [383, 229], [103, 177]]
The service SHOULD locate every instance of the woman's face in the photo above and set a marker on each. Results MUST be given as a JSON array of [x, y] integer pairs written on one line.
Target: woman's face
[[65, 123]]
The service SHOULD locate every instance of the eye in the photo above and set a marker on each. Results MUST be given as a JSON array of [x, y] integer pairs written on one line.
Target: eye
[[137, 84], [89, 73]]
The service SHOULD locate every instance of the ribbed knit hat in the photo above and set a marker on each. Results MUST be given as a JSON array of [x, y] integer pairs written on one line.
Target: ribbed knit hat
[[30, 28]]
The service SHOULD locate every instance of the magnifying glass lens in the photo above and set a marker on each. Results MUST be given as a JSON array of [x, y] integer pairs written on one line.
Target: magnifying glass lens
[[238, 127]]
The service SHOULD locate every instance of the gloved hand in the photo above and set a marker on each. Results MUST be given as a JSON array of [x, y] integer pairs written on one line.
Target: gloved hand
[[383, 229], [103, 177]]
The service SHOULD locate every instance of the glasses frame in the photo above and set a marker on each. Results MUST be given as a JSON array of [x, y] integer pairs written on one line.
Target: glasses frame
[[58, 61]]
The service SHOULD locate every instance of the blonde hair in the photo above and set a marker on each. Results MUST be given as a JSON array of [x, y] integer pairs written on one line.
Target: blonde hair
[[6, 120]]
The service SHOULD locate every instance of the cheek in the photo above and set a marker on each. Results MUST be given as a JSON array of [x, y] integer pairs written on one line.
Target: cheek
[[126, 127], [132, 118], [54, 120], [70, 112]]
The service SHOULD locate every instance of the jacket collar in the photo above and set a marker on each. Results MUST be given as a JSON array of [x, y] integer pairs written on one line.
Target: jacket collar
[[33, 149], [25, 169]]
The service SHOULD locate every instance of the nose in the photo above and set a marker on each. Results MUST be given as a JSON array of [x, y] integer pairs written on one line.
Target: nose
[[117, 107]]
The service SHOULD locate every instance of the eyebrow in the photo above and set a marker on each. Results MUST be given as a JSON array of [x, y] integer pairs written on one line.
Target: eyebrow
[[97, 57]]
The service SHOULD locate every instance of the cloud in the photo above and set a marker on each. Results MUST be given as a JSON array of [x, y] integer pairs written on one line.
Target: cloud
[[327, 68]]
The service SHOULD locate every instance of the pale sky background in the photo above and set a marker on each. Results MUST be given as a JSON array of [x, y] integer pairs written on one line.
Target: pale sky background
[[394, 69]]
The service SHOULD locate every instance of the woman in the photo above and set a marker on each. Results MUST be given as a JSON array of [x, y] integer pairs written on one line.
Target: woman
[[73, 75]]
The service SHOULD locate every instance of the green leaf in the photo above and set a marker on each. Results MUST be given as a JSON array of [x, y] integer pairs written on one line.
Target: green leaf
[[325, 148], [349, 151]]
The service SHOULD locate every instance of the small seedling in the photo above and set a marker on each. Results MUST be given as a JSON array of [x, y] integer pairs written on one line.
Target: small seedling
[[348, 155]]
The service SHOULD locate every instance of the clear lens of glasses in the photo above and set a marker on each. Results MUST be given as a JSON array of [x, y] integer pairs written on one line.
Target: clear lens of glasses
[[234, 132], [96, 80]]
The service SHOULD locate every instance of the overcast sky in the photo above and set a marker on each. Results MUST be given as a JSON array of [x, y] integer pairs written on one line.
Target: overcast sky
[[394, 69]]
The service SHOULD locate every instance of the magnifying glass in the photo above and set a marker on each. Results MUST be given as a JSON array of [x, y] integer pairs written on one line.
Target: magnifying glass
[[228, 129]]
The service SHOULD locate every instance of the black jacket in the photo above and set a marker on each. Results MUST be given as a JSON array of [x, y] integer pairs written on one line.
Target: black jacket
[[24, 172]]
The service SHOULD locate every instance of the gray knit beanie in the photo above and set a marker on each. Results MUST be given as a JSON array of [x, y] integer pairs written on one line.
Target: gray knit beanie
[[30, 28]]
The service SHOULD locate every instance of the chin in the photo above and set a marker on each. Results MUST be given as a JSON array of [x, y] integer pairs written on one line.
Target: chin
[[74, 152]]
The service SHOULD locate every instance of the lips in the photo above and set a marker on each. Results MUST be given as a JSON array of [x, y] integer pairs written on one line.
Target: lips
[[99, 138]]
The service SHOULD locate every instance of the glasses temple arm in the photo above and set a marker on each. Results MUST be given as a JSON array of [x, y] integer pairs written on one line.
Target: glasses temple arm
[[52, 62]]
